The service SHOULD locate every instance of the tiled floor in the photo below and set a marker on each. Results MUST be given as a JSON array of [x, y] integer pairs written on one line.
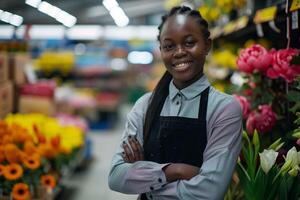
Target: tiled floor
[[91, 184]]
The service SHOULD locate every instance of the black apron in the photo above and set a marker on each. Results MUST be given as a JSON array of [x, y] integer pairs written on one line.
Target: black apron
[[178, 139]]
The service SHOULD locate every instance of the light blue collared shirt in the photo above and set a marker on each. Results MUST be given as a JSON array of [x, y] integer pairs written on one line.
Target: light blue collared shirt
[[224, 131]]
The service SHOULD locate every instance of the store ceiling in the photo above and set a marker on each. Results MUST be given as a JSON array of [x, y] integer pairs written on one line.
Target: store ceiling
[[140, 12]]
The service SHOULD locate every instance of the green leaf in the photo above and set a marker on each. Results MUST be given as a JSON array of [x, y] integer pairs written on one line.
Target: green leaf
[[295, 60], [293, 96]]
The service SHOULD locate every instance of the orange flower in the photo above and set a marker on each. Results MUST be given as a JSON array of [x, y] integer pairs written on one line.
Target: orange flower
[[12, 153], [2, 168], [13, 171], [6, 139], [55, 142], [3, 128], [20, 191], [48, 181], [29, 148], [41, 137], [47, 151], [32, 162], [20, 134], [2, 155]]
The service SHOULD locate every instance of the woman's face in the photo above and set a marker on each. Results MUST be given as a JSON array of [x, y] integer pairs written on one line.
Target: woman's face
[[183, 49]]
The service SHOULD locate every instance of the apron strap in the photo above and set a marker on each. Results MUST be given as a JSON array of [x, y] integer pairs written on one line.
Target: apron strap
[[203, 104]]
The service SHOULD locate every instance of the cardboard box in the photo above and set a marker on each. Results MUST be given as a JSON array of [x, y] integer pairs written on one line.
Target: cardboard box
[[36, 104], [6, 98], [3, 67], [17, 64]]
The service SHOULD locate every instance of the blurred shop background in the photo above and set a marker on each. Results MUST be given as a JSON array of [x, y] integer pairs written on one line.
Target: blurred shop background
[[71, 70]]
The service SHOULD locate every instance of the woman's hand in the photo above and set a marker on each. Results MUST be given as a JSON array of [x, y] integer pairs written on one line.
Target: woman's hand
[[133, 151], [180, 171]]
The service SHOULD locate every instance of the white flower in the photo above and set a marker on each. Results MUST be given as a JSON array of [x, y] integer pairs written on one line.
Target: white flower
[[267, 159], [293, 156]]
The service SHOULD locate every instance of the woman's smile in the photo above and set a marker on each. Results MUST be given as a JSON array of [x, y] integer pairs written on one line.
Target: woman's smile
[[182, 66]]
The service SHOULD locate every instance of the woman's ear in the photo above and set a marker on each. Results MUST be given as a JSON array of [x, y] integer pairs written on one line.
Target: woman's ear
[[208, 45]]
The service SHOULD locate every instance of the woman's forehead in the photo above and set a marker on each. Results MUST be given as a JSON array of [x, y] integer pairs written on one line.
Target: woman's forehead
[[180, 23]]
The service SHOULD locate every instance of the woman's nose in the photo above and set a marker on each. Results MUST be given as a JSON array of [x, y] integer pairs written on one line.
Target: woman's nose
[[179, 51]]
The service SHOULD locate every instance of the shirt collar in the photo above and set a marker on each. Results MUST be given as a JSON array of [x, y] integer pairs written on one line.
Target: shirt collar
[[191, 91]]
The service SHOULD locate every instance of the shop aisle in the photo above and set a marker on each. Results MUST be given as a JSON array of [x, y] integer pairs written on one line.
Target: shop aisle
[[91, 183]]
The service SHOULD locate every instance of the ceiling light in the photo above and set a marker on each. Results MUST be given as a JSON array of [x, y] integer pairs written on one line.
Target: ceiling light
[[122, 22], [16, 20], [53, 11], [65, 18], [110, 4], [140, 57], [33, 3], [44, 7], [5, 16], [119, 16]]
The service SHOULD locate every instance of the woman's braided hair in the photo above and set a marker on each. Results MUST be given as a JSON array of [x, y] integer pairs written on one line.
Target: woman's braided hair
[[184, 10]]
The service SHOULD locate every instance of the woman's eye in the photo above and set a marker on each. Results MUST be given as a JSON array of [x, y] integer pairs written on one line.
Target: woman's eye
[[168, 46], [189, 43]]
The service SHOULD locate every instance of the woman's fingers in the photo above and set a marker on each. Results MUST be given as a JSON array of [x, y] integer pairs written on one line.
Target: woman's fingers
[[133, 150], [128, 153], [136, 148]]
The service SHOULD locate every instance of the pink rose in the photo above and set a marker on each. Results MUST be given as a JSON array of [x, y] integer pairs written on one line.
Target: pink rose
[[244, 104], [282, 66], [254, 58], [263, 120]]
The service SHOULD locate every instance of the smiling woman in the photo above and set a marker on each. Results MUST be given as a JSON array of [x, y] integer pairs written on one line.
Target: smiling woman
[[182, 140]]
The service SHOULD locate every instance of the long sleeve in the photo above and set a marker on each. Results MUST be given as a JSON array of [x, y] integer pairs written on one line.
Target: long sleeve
[[141, 176], [223, 147]]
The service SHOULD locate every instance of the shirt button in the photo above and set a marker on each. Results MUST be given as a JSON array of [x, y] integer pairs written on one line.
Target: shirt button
[[179, 94], [150, 196], [151, 188], [160, 180], [177, 103]]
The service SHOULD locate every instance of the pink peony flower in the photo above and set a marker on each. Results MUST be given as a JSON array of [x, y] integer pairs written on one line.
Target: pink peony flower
[[251, 122], [298, 142], [254, 58], [263, 120], [282, 66], [244, 104]]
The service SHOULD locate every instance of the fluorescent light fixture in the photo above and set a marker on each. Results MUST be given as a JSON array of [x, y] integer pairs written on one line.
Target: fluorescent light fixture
[[16, 20], [66, 19], [53, 11], [44, 7], [140, 57], [119, 16], [33, 3], [85, 32], [122, 22], [5, 16], [110, 4], [40, 32], [6, 31]]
